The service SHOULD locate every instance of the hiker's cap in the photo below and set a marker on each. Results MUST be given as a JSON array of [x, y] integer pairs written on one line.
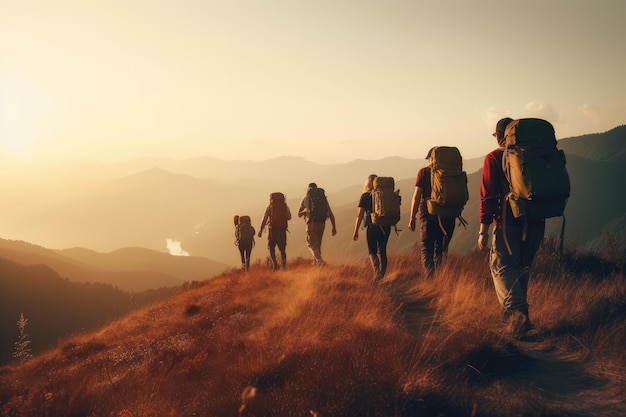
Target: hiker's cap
[[502, 124], [312, 185]]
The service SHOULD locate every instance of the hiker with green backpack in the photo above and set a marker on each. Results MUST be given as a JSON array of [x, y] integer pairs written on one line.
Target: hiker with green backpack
[[439, 198], [524, 182], [379, 210]]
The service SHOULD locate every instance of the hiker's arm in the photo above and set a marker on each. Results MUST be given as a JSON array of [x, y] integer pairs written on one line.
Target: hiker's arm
[[264, 222], [415, 204], [483, 236], [489, 191], [331, 216], [359, 219], [302, 210]]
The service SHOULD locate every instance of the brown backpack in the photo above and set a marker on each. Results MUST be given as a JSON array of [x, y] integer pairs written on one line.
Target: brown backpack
[[279, 213]]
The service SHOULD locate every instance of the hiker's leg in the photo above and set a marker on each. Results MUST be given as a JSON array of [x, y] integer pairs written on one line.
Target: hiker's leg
[[448, 225], [318, 233], [310, 239], [507, 270], [371, 238], [272, 247], [282, 246], [242, 254], [441, 240], [315, 232], [383, 239], [248, 254], [534, 236], [428, 247]]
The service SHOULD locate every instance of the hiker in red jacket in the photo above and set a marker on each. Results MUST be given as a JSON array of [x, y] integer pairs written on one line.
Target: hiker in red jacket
[[510, 271], [276, 216]]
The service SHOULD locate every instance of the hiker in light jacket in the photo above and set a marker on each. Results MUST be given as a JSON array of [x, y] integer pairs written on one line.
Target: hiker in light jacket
[[315, 210], [434, 243], [510, 272], [377, 236]]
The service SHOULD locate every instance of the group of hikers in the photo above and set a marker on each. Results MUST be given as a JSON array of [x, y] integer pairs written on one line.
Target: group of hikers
[[524, 182], [315, 210]]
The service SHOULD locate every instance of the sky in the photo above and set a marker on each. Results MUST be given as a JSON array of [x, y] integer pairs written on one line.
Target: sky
[[327, 80]]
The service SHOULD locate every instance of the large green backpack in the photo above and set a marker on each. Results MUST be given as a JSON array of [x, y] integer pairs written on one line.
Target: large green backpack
[[448, 182], [535, 169], [385, 202]]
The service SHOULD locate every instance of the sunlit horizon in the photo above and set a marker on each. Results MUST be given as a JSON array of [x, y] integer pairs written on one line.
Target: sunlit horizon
[[330, 82]]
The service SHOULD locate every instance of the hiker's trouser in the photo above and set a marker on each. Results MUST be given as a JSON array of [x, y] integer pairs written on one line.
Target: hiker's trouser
[[435, 241], [314, 235], [511, 271], [245, 251], [277, 237], [377, 238]]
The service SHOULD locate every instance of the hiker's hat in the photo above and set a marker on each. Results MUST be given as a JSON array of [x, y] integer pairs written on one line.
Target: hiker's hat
[[502, 124]]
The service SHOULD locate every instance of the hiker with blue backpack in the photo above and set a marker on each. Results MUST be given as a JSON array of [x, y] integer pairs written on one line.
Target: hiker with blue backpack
[[517, 206]]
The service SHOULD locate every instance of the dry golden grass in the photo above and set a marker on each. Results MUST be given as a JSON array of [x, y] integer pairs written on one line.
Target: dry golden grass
[[328, 342]]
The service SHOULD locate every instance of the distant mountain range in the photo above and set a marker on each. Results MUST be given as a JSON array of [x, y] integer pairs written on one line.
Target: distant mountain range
[[129, 269], [112, 230], [142, 203]]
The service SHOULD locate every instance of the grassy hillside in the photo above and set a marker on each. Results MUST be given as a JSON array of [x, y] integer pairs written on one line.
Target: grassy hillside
[[329, 342], [57, 307]]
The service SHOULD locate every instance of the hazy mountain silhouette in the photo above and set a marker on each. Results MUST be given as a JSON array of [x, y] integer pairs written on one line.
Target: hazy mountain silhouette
[[143, 202], [130, 269], [607, 146]]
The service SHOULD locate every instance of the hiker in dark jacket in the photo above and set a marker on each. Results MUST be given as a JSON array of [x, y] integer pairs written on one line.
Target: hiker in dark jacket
[[510, 271], [244, 239], [377, 236], [315, 215], [434, 242]]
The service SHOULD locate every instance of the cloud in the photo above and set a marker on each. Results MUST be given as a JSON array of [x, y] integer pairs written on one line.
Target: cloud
[[542, 110], [175, 248], [589, 112]]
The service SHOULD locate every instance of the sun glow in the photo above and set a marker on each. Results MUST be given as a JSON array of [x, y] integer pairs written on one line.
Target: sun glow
[[24, 108]]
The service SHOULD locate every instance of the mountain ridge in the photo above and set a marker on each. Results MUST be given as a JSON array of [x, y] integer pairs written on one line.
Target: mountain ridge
[[147, 208]]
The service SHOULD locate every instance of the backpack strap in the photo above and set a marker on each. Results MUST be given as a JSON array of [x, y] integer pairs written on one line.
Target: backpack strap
[[441, 226], [562, 236], [395, 228], [462, 221], [503, 220]]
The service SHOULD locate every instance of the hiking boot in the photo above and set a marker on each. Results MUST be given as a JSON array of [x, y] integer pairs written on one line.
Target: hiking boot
[[518, 322]]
